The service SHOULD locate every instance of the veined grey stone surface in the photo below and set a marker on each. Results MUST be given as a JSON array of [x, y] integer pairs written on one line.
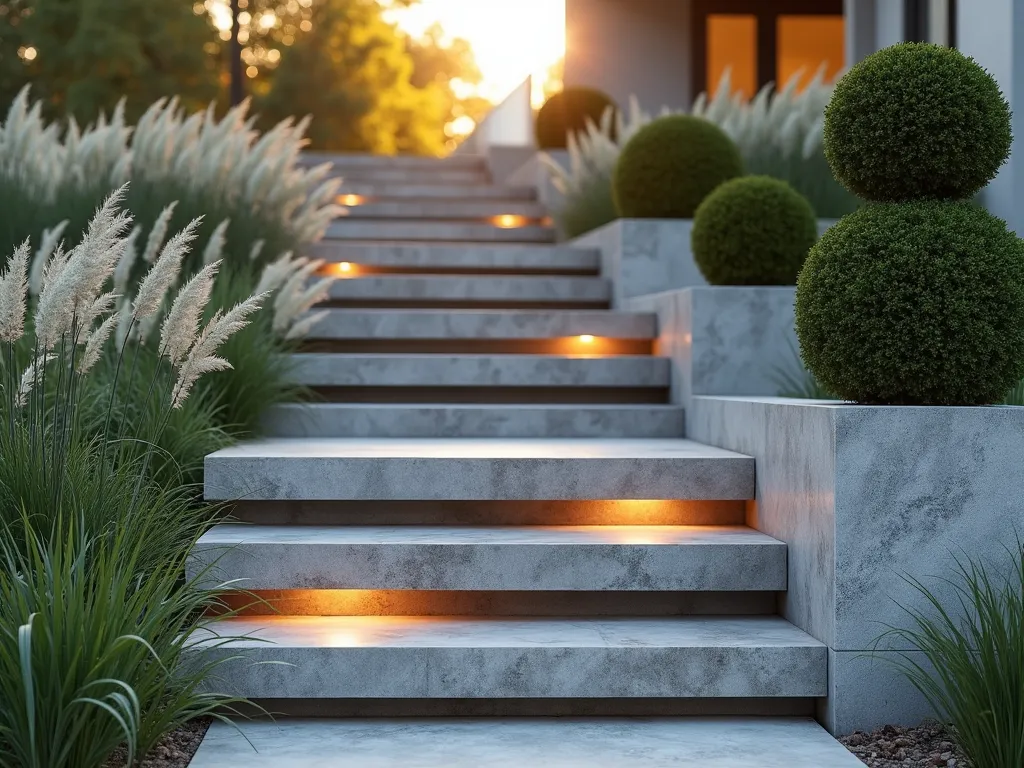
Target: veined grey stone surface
[[484, 657], [420, 190], [488, 420], [544, 558], [468, 469], [482, 324], [507, 256], [520, 743], [412, 229], [444, 209], [343, 161], [724, 340], [461, 288], [329, 369], [865, 495], [395, 175]]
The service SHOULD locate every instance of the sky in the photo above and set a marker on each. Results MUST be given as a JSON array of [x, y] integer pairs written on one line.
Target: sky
[[511, 38]]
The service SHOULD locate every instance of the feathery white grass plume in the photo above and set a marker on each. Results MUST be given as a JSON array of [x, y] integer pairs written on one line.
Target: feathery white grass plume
[[162, 275], [94, 343], [13, 299], [256, 250], [295, 297], [31, 376], [301, 329], [158, 233], [202, 358], [50, 239], [129, 255], [276, 272], [125, 321], [181, 325], [215, 245]]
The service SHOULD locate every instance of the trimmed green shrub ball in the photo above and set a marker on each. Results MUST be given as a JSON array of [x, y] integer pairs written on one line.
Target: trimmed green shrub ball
[[918, 303], [670, 165], [916, 121], [754, 230], [567, 112]]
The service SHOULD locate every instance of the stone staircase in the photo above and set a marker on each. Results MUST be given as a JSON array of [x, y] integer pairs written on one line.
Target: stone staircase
[[492, 511]]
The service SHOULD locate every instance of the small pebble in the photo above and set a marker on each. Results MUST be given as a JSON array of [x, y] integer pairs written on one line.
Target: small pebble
[[927, 746]]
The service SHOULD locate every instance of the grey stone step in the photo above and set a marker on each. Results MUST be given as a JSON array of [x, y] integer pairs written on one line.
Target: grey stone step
[[548, 558], [407, 657], [439, 174], [468, 420], [482, 324], [376, 189], [463, 289], [503, 257], [388, 469], [663, 742], [411, 370], [345, 160], [445, 209], [412, 229]]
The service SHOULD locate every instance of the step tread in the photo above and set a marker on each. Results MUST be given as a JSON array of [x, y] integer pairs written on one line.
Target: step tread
[[554, 288], [500, 558], [727, 742], [471, 469], [443, 209], [418, 229], [418, 190]]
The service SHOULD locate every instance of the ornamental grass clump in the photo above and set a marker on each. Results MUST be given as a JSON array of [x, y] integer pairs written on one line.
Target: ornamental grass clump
[[916, 298]]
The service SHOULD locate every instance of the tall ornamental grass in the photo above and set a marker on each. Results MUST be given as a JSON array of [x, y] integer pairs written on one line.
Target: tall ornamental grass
[[779, 133], [95, 614], [975, 672]]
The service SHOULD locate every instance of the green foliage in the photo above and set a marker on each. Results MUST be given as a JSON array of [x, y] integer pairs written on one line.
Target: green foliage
[[809, 174], [975, 670], [795, 381], [916, 303], [591, 206], [916, 120], [567, 112], [753, 230], [670, 165], [90, 55]]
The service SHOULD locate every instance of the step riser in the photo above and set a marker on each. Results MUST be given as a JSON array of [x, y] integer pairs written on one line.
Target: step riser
[[353, 229], [567, 290], [457, 210], [395, 324], [455, 177], [563, 346], [437, 421], [476, 395], [378, 190], [322, 602], [456, 673], [669, 512], [460, 259], [346, 162]]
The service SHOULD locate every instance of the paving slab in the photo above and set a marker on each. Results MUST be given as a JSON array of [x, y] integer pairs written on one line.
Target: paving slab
[[472, 288], [413, 229], [521, 743]]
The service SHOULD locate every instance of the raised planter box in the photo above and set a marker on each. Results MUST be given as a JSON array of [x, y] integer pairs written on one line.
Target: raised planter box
[[864, 495], [642, 256], [723, 340]]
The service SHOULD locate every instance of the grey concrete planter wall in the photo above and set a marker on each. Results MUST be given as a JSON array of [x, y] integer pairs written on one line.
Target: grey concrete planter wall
[[863, 495], [642, 256], [723, 340]]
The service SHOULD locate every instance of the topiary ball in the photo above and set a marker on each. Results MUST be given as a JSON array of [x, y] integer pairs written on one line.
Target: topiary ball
[[918, 303], [916, 121], [670, 165], [567, 112], [754, 230]]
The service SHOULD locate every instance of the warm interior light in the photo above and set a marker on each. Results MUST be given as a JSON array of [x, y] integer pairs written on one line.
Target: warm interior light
[[351, 199], [586, 338], [509, 221], [344, 267]]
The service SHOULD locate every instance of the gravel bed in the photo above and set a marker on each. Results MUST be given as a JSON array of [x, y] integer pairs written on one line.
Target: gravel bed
[[893, 746], [175, 751]]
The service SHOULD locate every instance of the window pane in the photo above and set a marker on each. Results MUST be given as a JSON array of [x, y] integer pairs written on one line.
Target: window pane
[[804, 42], [732, 45]]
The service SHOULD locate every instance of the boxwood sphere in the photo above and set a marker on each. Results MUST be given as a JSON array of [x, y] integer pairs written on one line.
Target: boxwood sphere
[[916, 121], [567, 112], [670, 165], [918, 303], [754, 230]]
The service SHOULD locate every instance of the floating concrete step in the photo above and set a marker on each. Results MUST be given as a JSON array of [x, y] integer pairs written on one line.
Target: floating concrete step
[[378, 190], [412, 229], [445, 209], [345, 161], [397, 370], [461, 290], [468, 469], [547, 558], [468, 258], [404, 657], [726, 742], [468, 420], [439, 174], [384, 324]]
